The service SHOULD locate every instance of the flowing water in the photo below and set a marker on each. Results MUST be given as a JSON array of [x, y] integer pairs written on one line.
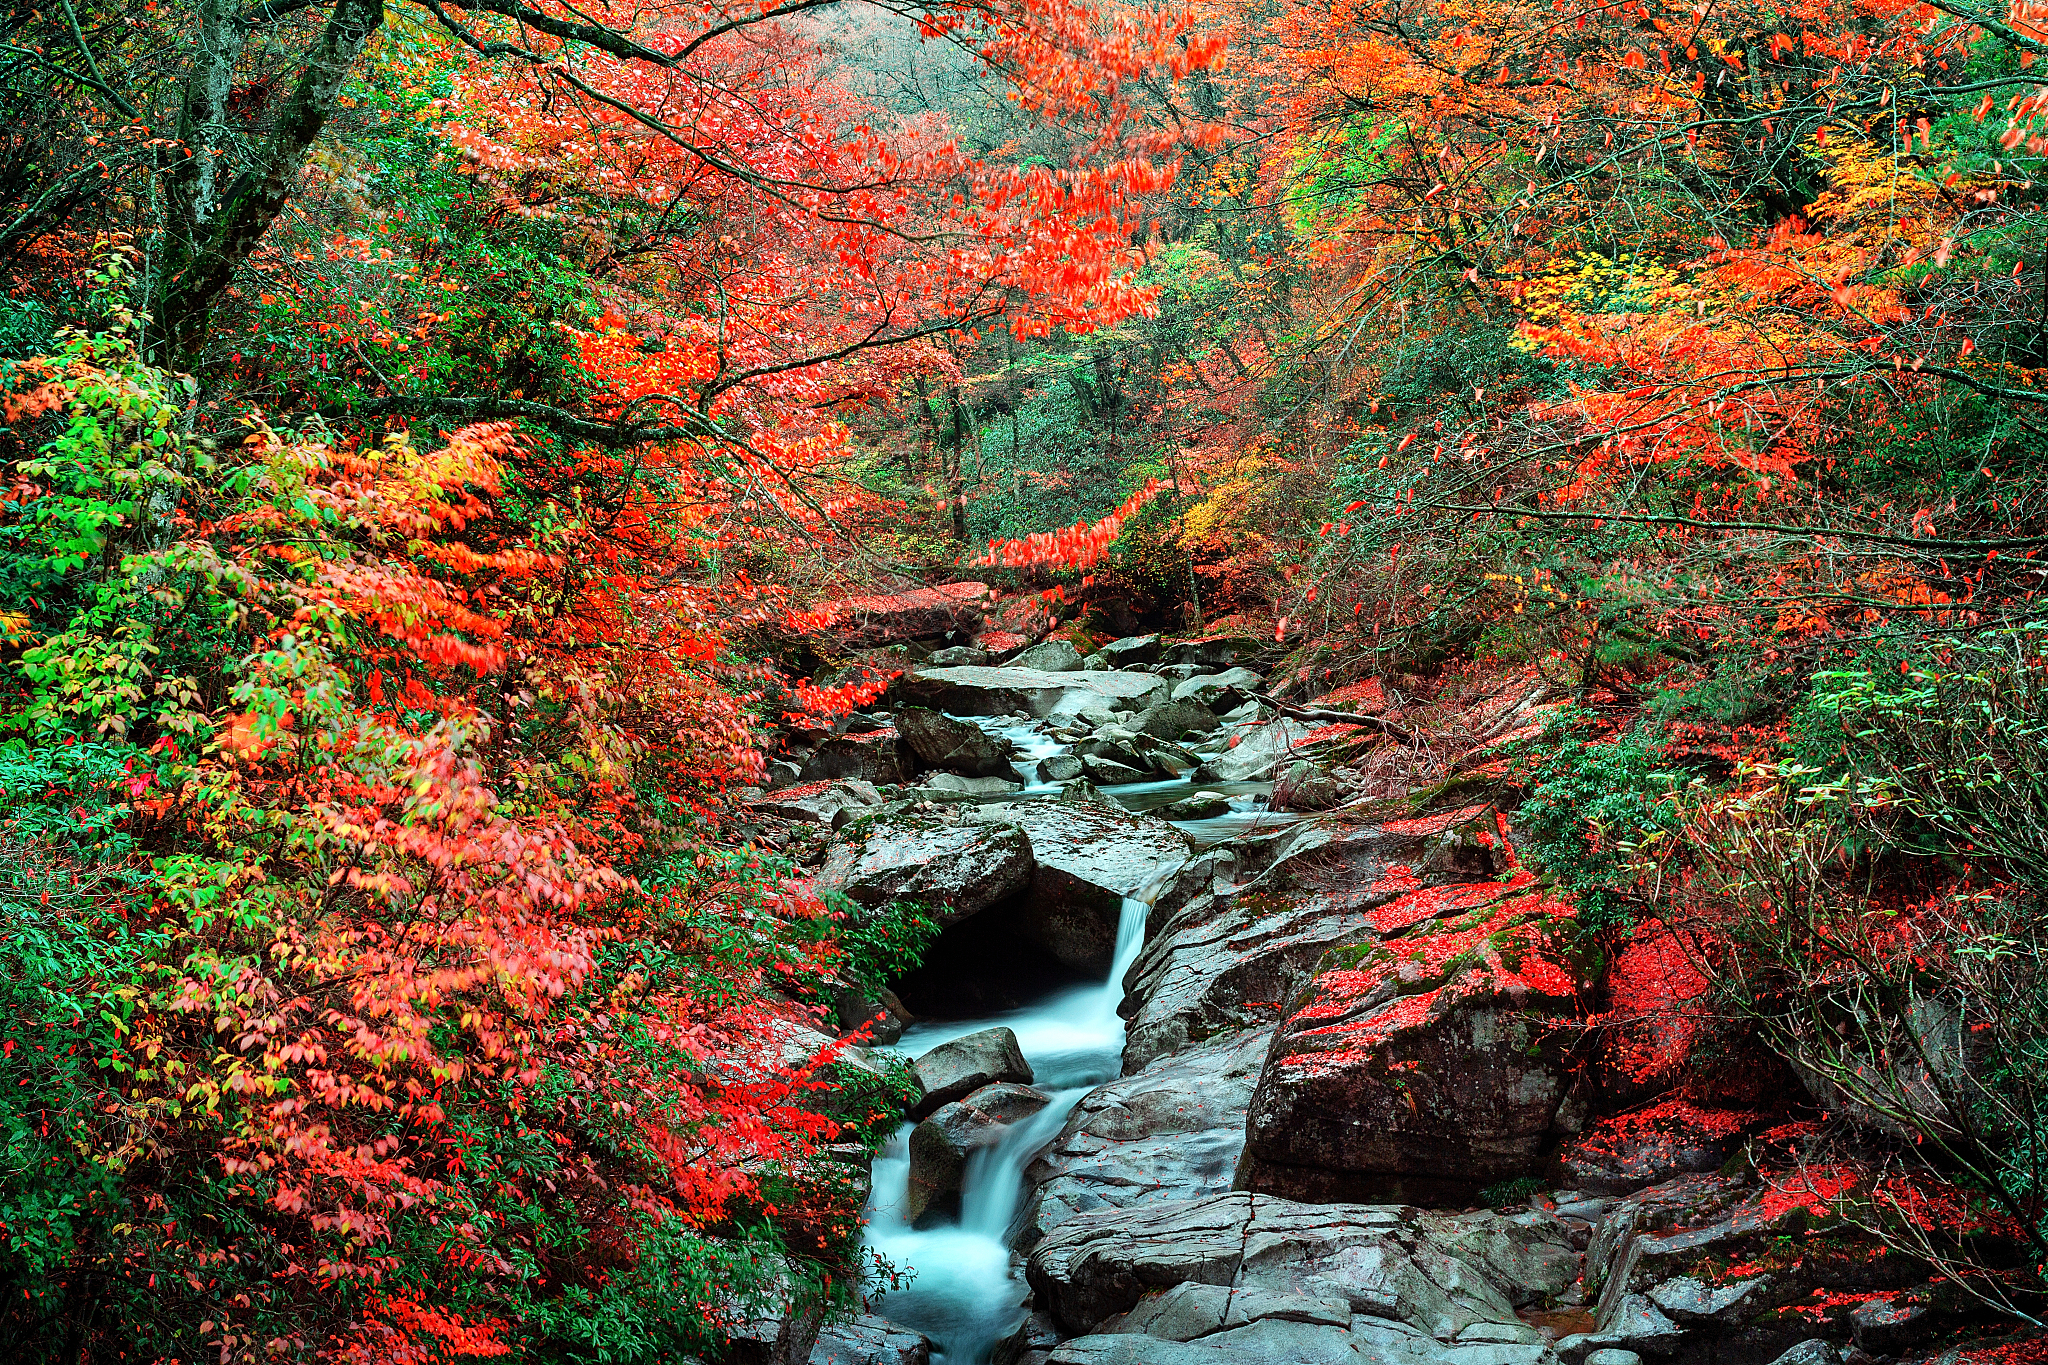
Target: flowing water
[[959, 1282], [963, 1290]]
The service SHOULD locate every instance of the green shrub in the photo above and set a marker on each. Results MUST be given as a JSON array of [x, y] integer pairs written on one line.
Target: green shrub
[[1955, 739], [881, 945], [1590, 806]]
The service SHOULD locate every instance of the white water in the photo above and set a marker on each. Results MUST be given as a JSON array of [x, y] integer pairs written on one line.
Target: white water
[[964, 1291], [1033, 742]]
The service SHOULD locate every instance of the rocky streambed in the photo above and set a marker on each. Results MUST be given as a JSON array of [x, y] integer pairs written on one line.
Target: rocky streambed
[[1224, 1061]]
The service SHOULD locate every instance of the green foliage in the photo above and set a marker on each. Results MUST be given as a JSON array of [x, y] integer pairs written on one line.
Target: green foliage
[[73, 971], [881, 945], [1591, 805], [1976, 777], [442, 293], [27, 327], [1510, 1193], [630, 1316], [1440, 372]]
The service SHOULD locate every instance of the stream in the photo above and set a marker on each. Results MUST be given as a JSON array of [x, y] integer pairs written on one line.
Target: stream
[[963, 1291], [958, 1281]]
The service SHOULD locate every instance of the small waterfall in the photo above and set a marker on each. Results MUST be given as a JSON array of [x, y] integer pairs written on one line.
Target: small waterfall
[[964, 1292]]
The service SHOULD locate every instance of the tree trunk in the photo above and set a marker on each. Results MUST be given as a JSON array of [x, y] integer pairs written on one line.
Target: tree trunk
[[956, 478], [214, 230]]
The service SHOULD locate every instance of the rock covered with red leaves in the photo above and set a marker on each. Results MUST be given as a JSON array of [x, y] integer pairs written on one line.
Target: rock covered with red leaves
[[1426, 1061]]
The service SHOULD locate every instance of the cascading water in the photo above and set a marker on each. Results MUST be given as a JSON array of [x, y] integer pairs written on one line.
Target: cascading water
[[959, 1283], [964, 1292]]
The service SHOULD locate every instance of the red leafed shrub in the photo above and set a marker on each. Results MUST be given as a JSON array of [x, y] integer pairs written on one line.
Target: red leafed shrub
[[1079, 546]]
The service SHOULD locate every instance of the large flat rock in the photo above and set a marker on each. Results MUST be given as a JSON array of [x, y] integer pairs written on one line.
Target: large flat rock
[[972, 691], [869, 1340], [1437, 1275], [958, 870], [1173, 1131]]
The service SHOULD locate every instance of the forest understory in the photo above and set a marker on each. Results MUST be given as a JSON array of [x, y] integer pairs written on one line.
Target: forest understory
[[1335, 681]]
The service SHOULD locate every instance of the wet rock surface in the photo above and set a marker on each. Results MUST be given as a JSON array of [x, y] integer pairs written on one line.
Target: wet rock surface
[[1003, 691], [1425, 1065], [1053, 656], [1234, 947], [869, 1340], [1438, 1275], [1172, 1131], [1086, 859], [941, 1145], [957, 1069], [957, 746], [959, 870], [875, 756], [830, 804]]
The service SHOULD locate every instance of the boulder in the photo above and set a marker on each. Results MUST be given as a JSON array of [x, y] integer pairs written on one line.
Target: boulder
[[1637, 1324], [1438, 1275], [1650, 1144], [1034, 1339], [957, 746], [941, 1144], [1081, 792], [1173, 719], [1028, 691], [1812, 1351], [1884, 1327], [955, 1070], [1108, 772], [1172, 1131], [1087, 859], [1115, 743], [922, 613], [1215, 651], [1304, 786], [1056, 655], [1749, 1261], [959, 870], [1219, 691], [1133, 651], [830, 804], [855, 1011], [1425, 1065], [1693, 1302], [869, 1340], [785, 1338], [1200, 806], [1059, 768], [957, 656], [875, 756], [953, 787], [1254, 751], [1252, 918]]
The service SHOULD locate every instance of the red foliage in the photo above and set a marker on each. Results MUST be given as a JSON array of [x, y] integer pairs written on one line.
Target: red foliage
[[1079, 546]]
